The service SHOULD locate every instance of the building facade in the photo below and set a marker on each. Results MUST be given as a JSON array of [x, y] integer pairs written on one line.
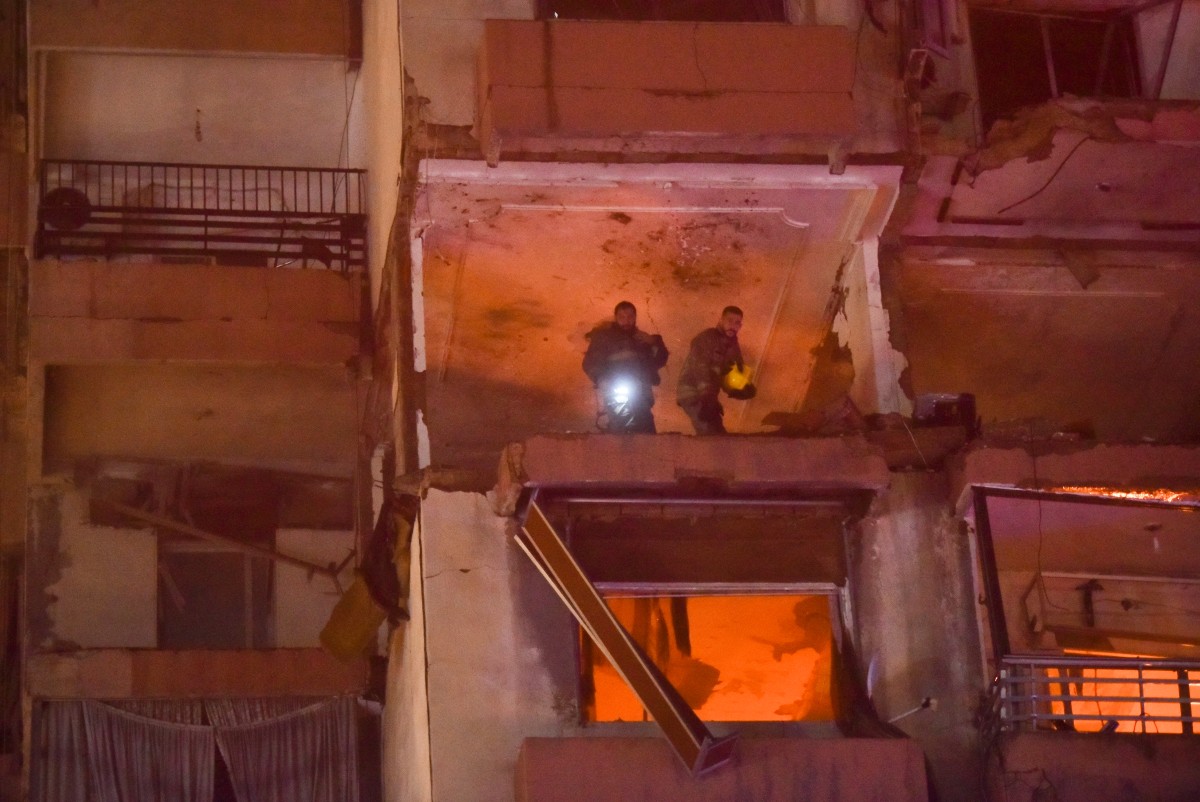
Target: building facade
[[297, 313]]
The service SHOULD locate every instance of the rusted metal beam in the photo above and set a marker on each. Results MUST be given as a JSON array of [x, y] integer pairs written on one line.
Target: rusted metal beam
[[331, 570]]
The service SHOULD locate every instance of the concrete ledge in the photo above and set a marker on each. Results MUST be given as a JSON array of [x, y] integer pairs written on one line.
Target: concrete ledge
[[299, 26], [764, 769], [746, 462], [1131, 467], [81, 340], [669, 458], [153, 291], [129, 673], [1086, 767]]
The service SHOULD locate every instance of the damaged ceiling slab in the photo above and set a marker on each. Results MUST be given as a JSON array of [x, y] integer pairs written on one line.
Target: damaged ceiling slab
[[1071, 173], [516, 264]]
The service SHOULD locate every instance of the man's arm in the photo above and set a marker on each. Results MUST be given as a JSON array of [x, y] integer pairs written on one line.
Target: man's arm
[[595, 357]]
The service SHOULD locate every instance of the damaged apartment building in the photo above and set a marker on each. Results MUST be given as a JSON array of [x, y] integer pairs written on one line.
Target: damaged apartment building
[[303, 491]]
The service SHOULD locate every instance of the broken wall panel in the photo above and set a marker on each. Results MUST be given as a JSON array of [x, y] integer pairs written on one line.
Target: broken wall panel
[[73, 598], [303, 601], [1119, 331]]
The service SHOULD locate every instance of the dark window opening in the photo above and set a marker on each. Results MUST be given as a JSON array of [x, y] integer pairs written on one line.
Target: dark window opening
[[678, 10], [1023, 60]]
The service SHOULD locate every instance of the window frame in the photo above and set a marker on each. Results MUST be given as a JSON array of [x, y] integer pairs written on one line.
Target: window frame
[[1017, 699]]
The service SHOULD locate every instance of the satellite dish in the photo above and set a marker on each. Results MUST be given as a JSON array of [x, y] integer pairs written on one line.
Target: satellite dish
[[65, 208]]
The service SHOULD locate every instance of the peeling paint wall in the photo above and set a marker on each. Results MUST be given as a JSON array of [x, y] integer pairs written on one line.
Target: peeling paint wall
[[88, 586]]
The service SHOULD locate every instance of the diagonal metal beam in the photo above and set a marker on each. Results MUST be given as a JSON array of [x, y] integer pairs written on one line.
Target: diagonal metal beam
[[691, 740], [330, 570]]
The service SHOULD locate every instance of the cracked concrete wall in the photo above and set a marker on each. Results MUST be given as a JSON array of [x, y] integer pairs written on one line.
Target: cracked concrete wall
[[440, 44], [497, 647], [864, 326], [914, 604]]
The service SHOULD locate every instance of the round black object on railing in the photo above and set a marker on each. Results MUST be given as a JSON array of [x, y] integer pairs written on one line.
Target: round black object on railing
[[65, 208]]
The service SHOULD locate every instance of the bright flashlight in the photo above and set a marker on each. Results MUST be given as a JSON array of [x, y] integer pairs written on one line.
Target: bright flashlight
[[622, 391]]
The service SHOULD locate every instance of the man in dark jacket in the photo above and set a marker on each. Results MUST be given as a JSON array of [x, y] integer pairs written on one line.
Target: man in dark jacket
[[713, 353], [623, 363]]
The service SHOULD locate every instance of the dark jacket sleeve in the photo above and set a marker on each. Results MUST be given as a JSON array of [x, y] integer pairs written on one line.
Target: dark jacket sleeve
[[596, 356]]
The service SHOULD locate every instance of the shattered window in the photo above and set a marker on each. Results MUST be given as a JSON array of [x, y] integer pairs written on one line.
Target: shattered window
[[1023, 59]]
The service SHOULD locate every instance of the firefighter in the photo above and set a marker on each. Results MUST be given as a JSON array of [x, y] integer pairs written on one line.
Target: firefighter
[[714, 364]]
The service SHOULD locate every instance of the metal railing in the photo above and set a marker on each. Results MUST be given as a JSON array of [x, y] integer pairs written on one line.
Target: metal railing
[[1096, 694], [236, 214]]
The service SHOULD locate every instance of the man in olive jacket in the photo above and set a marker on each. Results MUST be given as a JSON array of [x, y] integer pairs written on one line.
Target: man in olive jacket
[[713, 353]]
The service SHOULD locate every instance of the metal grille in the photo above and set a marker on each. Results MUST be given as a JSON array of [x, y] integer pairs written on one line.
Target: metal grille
[[237, 214], [1096, 694]]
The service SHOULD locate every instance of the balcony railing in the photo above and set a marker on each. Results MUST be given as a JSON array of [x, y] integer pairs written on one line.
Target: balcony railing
[[229, 214], [1096, 694]]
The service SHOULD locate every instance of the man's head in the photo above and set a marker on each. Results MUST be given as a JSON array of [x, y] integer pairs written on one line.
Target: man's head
[[625, 314], [731, 321]]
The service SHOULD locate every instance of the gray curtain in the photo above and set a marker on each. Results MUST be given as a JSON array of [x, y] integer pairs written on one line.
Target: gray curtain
[[86, 751], [58, 765], [277, 750], [308, 754], [138, 759]]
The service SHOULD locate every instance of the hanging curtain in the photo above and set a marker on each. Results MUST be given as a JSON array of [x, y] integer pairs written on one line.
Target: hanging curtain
[[235, 712], [138, 759], [178, 711], [58, 765], [277, 750], [309, 754]]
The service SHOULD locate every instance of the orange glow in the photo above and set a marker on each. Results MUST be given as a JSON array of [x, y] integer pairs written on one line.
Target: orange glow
[[753, 658], [1155, 693], [1160, 494]]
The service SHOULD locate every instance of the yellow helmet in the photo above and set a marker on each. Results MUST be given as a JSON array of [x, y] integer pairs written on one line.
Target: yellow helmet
[[736, 379]]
